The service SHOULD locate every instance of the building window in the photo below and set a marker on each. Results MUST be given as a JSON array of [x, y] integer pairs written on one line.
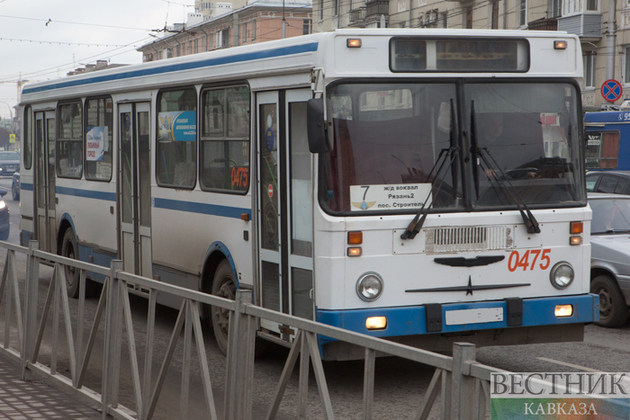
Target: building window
[[196, 46], [522, 13], [209, 42], [306, 27], [177, 50], [253, 30], [444, 19], [321, 9], [176, 150], [468, 18], [554, 9], [494, 15], [589, 69], [626, 73], [592, 5], [223, 38], [244, 31], [335, 5]]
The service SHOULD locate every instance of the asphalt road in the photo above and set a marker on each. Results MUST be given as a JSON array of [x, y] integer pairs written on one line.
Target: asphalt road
[[399, 384]]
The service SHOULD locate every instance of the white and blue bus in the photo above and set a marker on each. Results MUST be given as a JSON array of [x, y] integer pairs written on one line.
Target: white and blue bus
[[424, 186]]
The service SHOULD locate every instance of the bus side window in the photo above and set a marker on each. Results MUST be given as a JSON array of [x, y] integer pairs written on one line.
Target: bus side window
[[70, 140], [225, 139], [176, 151]]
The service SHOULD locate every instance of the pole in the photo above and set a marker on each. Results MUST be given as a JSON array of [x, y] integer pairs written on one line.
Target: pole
[[284, 23], [611, 40]]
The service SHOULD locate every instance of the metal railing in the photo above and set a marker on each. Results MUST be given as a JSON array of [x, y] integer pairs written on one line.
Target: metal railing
[[460, 381]]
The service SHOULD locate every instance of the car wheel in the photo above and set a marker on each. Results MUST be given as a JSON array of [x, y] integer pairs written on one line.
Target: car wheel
[[15, 192], [613, 311], [69, 249], [223, 286]]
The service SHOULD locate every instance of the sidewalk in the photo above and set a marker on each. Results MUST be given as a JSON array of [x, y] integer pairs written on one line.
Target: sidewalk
[[21, 400]]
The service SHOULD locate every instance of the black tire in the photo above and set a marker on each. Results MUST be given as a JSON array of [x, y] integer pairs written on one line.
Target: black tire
[[223, 285], [613, 311], [15, 193], [69, 249]]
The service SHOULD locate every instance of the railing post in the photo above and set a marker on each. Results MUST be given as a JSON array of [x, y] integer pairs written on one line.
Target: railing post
[[111, 368], [240, 360], [30, 309], [463, 385]]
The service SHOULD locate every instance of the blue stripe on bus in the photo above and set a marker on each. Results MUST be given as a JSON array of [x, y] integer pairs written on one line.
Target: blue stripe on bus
[[98, 195], [202, 208], [210, 62], [162, 203]]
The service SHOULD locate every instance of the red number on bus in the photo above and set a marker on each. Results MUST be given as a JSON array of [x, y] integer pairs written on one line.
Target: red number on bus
[[517, 261]]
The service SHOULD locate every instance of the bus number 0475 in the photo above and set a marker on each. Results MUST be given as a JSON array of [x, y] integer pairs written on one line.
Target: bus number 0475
[[530, 259]]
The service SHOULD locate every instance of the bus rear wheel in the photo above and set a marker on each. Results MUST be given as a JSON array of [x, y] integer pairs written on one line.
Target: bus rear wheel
[[69, 250], [223, 285]]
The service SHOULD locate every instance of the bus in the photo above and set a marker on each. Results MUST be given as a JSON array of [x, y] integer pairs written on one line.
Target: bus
[[605, 147], [423, 186]]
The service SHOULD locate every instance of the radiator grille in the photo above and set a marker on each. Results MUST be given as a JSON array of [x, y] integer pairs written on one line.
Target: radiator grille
[[473, 238]]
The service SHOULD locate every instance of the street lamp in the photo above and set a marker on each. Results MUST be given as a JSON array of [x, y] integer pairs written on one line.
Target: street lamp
[[10, 113]]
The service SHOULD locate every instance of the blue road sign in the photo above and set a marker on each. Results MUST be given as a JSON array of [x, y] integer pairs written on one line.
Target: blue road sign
[[611, 90]]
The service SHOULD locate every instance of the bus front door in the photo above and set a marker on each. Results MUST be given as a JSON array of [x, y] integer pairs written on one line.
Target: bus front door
[[285, 206], [45, 178], [134, 188]]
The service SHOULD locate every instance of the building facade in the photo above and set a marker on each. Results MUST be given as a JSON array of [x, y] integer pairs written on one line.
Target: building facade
[[212, 27], [605, 37]]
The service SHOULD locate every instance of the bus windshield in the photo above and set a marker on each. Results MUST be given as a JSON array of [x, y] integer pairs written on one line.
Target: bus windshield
[[402, 147]]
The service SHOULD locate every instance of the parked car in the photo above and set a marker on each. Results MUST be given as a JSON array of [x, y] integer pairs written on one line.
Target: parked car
[[5, 227], [610, 256], [9, 162], [15, 187], [613, 182]]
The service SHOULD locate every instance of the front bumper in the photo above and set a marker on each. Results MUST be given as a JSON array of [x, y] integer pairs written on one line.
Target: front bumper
[[439, 319]]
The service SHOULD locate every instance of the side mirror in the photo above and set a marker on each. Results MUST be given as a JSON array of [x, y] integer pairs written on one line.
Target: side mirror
[[319, 126]]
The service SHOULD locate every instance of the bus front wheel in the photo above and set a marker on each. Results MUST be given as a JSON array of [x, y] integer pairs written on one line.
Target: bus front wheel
[[69, 250], [223, 285], [613, 311]]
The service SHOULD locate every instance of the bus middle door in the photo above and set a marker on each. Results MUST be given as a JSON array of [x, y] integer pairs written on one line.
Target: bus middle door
[[135, 188]]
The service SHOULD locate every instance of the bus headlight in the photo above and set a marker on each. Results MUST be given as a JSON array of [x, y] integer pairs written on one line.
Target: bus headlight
[[369, 287], [562, 275]]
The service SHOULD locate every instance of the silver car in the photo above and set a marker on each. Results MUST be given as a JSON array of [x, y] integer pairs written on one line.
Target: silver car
[[9, 162], [610, 258]]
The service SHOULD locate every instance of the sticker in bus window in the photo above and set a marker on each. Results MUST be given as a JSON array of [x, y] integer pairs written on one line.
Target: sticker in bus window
[[390, 196], [177, 126], [95, 144]]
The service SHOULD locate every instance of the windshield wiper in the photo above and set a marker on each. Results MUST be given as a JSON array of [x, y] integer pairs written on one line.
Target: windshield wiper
[[503, 183], [418, 221]]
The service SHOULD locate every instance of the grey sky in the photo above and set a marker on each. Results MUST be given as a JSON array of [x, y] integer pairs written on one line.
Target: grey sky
[[45, 39]]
